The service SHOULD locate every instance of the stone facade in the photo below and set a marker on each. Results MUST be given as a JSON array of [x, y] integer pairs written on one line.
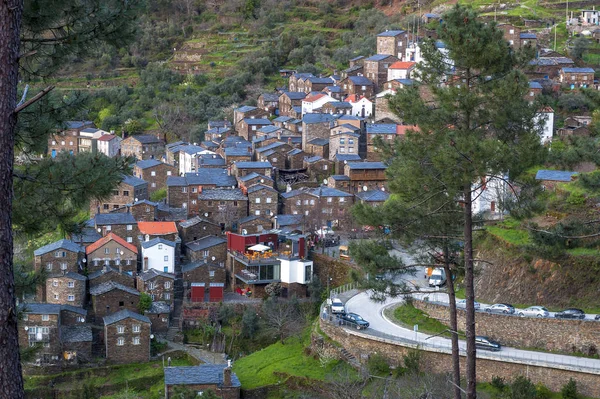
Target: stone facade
[[207, 248], [107, 274], [246, 112], [512, 34], [63, 142], [126, 192], [203, 272], [68, 289], [159, 285], [373, 179], [197, 227], [224, 211], [112, 251], [48, 327], [109, 298], [376, 68], [127, 340], [576, 77], [254, 225], [312, 131], [262, 200], [392, 43], [144, 146], [160, 316], [288, 101], [358, 89], [295, 159], [155, 174]]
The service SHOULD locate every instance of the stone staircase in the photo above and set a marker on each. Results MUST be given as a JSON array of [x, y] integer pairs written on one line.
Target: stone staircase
[[350, 358], [178, 290]]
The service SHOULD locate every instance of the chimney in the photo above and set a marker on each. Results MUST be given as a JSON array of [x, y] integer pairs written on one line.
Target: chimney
[[146, 264], [120, 267], [105, 268], [289, 140], [227, 375]]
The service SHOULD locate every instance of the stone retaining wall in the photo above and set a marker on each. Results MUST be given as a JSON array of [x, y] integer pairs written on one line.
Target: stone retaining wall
[[361, 345], [550, 334]]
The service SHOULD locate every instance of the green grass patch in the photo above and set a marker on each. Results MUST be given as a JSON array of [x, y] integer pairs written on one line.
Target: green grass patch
[[407, 315], [259, 369], [583, 252], [510, 235]]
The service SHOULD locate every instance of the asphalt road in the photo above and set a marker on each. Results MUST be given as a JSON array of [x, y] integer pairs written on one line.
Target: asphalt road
[[373, 312]]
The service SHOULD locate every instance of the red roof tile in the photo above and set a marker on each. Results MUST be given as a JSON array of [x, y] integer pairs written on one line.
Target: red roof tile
[[402, 65], [110, 236], [157, 228]]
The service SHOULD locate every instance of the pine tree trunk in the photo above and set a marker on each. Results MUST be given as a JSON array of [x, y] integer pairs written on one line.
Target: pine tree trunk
[[470, 296], [11, 380], [453, 325]]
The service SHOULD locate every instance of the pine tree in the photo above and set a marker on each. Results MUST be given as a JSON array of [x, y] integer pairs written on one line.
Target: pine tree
[[36, 39], [474, 125]]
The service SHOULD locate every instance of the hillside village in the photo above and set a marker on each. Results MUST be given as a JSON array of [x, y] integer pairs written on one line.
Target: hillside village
[[221, 220]]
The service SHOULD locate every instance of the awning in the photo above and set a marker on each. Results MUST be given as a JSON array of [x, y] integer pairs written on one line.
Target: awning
[[259, 248]]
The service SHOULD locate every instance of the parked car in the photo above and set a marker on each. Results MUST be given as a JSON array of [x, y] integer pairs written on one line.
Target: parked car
[[501, 308], [354, 320], [330, 241], [571, 313], [597, 317], [437, 278], [337, 306], [324, 232], [486, 343], [534, 311], [462, 304]]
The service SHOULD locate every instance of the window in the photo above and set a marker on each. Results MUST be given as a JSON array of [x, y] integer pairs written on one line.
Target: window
[[115, 206], [108, 228], [253, 127], [166, 269], [268, 200], [147, 209], [160, 246], [152, 296], [363, 88], [151, 285], [325, 167], [136, 328], [511, 42], [49, 266], [572, 77], [129, 227], [312, 201], [153, 184], [62, 143], [126, 193], [184, 189], [167, 285], [511, 31], [45, 317], [209, 203], [257, 212], [153, 173], [167, 295], [294, 212], [53, 142], [166, 258], [129, 239], [585, 77], [56, 297], [306, 213], [342, 199], [205, 253], [71, 298], [106, 250], [211, 273], [81, 319], [235, 203], [71, 284], [298, 202], [121, 303], [342, 140], [120, 341], [168, 173], [342, 149], [399, 44], [351, 141], [257, 200], [194, 202], [115, 192], [329, 199], [55, 283], [351, 149], [106, 206], [194, 189]]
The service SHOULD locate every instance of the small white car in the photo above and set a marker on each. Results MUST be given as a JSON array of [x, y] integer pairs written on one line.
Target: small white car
[[534, 311], [462, 304], [337, 306]]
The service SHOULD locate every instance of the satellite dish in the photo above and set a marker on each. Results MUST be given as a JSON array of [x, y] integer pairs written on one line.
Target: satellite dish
[[345, 162], [244, 231], [232, 186], [213, 258], [382, 188], [325, 181], [136, 200], [262, 180], [365, 188], [151, 336], [99, 230], [206, 214], [26, 328], [84, 260], [122, 253]]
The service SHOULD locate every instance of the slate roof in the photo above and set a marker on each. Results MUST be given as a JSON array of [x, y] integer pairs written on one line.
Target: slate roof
[[105, 287], [175, 144], [253, 165], [74, 276], [349, 127], [204, 374], [217, 124], [235, 141], [324, 191], [319, 142], [527, 35], [578, 70], [194, 265], [282, 119], [90, 130], [156, 241], [41, 308], [293, 193], [251, 218], [86, 236], [360, 81], [554, 175], [237, 151], [209, 144], [268, 129], [245, 108], [77, 124], [258, 187], [535, 85], [103, 219], [76, 334], [373, 196], [353, 68], [209, 176], [205, 242], [146, 138], [316, 80], [318, 118], [313, 159], [257, 121], [159, 307], [152, 273], [124, 314], [356, 58], [271, 146], [347, 157], [74, 309], [302, 75], [367, 165], [431, 15], [218, 130], [334, 89], [295, 95], [340, 177], [148, 163], [234, 194], [194, 221], [297, 109], [295, 151], [192, 149], [103, 271], [391, 33], [60, 244], [270, 97], [253, 175], [134, 181], [378, 57], [340, 104], [405, 82], [381, 128], [289, 220]]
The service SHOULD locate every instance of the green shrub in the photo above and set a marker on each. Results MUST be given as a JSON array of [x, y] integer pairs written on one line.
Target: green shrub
[[522, 388], [576, 198], [569, 390], [498, 383], [412, 362], [378, 365], [542, 392]]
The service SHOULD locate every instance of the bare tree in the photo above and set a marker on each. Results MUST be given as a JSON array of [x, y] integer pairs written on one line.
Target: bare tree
[[282, 318]]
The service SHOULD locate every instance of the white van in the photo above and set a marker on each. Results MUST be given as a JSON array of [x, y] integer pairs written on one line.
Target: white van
[[437, 278]]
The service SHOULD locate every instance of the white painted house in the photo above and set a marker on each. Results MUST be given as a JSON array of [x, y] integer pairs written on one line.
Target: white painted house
[[296, 270], [546, 119], [489, 194], [401, 70], [187, 158], [590, 17], [361, 106], [311, 103], [159, 254], [109, 145]]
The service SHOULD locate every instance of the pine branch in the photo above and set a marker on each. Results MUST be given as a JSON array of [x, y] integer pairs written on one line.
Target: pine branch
[[35, 99]]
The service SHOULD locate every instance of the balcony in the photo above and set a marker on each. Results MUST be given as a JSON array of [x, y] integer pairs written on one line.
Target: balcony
[[258, 258], [262, 274]]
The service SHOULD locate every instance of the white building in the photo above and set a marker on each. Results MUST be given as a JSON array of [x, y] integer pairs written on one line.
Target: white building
[[187, 158], [311, 103], [109, 145], [361, 106], [401, 70], [296, 270], [159, 254], [590, 17], [546, 119], [489, 194]]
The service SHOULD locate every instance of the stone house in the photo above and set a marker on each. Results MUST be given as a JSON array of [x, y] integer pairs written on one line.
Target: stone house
[[372, 197], [237, 154], [268, 102], [293, 80], [354, 70], [340, 160], [240, 169], [219, 124], [387, 132], [337, 107], [159, 285], [535, 89], [548, 67], [347, 139], [112, 250], [68, 289], [123, 225], [111, 297], [66, 140], [288, 100], [392, 42], [281, 121], [216, 377], [274, 153], [172, 152], [246, 112], [249, 126], [159, 315], [209, 248], [316, 126], [127, 337], [143, 146], [318, 147], [366, 174], [254, 178], [376, 68], [131, 189], [216, 134], [76, 344], [359, 85], [262, 200], [142, 211], [576, 77], [295, 159], [334, 92], [512, 34], [205, 272], [254, 224], [320, 206], [340, 182], [318, 167], [223, 206], [182, 191], [107, 274], [197, 227], [400, 70], [528, 39], [57, 258], [159, 254], [166, 230], [154, 172], [312, 84]]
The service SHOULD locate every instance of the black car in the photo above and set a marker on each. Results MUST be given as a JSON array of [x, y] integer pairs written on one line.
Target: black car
[[487, 344], [354, 320], [571, 313], [597, 317]]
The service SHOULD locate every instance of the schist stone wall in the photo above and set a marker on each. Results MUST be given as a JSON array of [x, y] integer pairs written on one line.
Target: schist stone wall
[[548, 334]]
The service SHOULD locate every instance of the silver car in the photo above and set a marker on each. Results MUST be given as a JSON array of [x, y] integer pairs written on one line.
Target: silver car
[[462, 304], [534, 311], [500, 308]]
